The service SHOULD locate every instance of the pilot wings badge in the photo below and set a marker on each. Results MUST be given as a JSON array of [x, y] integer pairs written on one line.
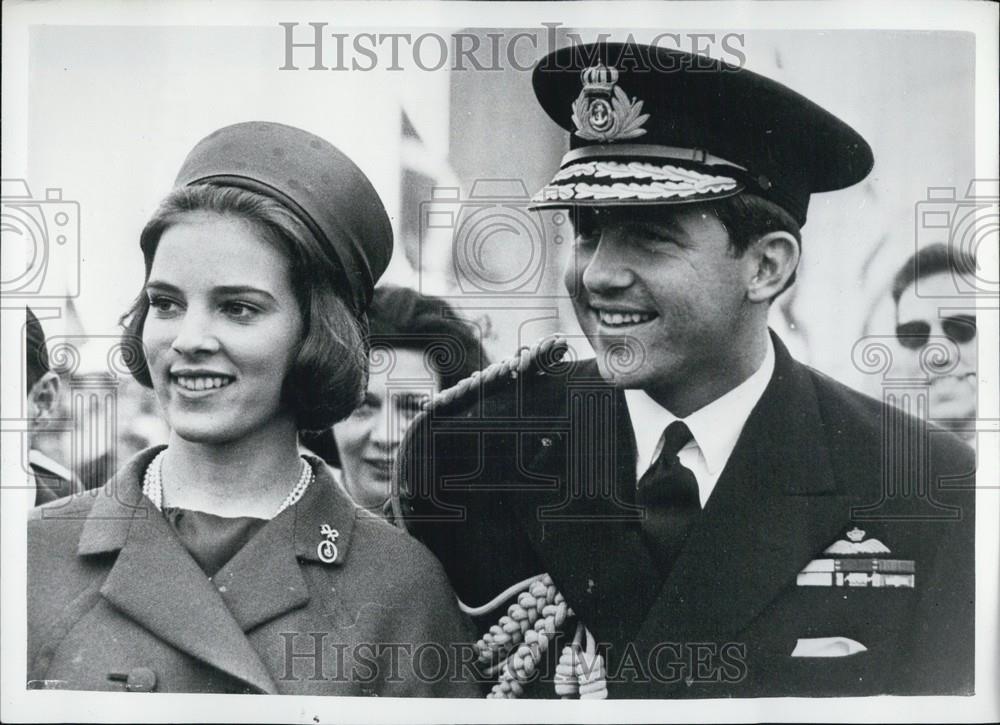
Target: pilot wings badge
[[856, 562], [603, 111]]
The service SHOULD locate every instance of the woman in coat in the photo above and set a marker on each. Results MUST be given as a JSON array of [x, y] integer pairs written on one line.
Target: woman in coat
[[226, 561]]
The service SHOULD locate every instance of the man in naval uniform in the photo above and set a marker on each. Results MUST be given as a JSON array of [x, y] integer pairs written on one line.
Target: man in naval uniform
[[714, 519]]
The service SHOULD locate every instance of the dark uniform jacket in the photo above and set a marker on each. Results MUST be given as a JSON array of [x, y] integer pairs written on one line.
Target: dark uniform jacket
[[115, 602], [52, 480], [540, 477]]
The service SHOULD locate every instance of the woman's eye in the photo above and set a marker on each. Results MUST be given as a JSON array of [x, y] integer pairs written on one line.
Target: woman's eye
[[162, 305], [367, 408], [239, 310]]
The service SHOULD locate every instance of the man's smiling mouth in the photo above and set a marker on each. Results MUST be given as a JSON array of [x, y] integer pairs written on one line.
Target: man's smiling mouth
[[618, 318]]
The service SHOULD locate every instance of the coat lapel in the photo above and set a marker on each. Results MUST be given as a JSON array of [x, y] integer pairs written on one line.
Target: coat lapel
[[156, 582], [774, 508], [585, 528], [264, 580]]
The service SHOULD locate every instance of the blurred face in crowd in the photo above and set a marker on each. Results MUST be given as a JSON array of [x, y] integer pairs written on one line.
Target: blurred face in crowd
[[222, 331], [662, 299], [369, 438], [939, 345]]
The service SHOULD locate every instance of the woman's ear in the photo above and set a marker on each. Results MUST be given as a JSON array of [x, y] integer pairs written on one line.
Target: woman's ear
[[775, 257]]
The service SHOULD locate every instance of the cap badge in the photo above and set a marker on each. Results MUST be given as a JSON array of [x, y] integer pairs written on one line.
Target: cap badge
[[603, 112]]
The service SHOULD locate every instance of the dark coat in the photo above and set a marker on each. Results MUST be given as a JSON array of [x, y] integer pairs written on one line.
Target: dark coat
[[116, 603], [52, 480], [540, 477]]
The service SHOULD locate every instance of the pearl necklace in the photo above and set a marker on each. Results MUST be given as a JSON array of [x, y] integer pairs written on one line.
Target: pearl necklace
[[152, 483]]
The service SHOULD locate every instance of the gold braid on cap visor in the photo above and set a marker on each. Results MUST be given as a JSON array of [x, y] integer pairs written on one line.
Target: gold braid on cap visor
[[589, 174]]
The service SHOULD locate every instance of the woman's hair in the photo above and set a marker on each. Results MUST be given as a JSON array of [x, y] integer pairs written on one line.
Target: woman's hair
[[329, 374], [403, 318]]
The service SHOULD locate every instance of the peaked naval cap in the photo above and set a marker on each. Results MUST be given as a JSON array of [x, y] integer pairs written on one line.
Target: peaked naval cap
[[653, 125], [316, 182]]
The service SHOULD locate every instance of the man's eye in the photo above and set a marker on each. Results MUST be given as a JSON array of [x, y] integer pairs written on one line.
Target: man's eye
[[652, 234]]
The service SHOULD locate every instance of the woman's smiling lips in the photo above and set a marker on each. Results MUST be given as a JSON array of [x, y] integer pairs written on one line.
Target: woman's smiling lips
[[382, 466], [199, 383]]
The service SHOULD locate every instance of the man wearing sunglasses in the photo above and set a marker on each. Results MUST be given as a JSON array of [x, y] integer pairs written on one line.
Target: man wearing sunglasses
[[924, 318]]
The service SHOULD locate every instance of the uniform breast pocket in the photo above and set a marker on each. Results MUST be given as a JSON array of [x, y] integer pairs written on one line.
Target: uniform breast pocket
[[831, 640], [823, 675]]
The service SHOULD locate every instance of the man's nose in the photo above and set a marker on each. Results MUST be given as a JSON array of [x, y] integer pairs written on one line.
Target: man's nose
[[195, 335], [608, 269]]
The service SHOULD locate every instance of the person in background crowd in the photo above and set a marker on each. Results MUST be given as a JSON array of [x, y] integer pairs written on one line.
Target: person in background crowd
[[924, 293], [419, 347], [750, 543], [205, 565], [52, 479]]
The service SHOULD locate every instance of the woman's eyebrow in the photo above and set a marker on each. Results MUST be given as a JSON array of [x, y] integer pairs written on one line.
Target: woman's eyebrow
[[162, 286], [409, 400], [241, 289]]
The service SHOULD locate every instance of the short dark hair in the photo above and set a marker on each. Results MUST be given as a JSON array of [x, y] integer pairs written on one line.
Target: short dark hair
[[404, 318], [329, 375], [36, 352], [932, 259], [748, 217]]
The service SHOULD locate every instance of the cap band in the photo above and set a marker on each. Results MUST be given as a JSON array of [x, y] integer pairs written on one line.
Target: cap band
[[698, 156]]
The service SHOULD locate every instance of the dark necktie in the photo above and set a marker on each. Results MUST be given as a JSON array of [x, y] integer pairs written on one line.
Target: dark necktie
[[669, 493]]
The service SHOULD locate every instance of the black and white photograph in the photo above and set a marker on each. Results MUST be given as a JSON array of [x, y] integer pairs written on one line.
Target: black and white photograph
[[415, 361]]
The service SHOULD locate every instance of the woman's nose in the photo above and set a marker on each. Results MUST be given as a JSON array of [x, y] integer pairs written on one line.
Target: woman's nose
[[386, 433], [195, 335]]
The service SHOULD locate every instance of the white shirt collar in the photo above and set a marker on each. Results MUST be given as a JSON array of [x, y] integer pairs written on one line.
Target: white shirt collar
[[715, 427], [39, 459]]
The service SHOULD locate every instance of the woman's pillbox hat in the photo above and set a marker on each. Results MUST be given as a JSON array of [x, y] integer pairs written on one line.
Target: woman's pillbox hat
[[652, 125], [316, 182]]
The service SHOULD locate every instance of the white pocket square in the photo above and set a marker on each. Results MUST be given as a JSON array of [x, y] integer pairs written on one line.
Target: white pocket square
[[827, 647]]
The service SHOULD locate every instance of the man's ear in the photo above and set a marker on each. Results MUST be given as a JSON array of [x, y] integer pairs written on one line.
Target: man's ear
[[775, 257], [43, 398]]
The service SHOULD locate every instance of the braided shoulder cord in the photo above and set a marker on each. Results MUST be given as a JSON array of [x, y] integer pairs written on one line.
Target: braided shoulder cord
[[551, 349], [514, 646]]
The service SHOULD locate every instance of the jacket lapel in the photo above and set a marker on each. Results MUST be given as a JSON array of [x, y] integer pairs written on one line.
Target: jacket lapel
[[774, 508], [585, 528], [264, 580], [156, 582]]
